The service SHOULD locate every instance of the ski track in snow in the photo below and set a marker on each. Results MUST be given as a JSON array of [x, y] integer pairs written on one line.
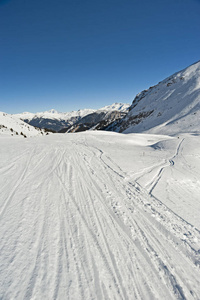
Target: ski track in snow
[[151, 186], [73, 227]]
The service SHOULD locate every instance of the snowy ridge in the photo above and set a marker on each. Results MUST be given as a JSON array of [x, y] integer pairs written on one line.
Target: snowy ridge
[[170, 107], [122, 107], [13, 126]]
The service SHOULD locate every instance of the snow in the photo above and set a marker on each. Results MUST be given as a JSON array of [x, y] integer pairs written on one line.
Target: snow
[[12, 126], [123, 107], [100, 215]]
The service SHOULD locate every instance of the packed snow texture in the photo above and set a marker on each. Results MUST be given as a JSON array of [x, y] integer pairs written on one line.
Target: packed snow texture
[[100, 215], [170, 107]]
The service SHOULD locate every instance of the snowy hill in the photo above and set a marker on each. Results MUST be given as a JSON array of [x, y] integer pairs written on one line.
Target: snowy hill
[[170, 107], [12, 126]]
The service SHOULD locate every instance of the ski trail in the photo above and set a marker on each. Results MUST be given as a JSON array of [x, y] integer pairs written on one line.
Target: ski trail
[[151, 185], [73, 227]]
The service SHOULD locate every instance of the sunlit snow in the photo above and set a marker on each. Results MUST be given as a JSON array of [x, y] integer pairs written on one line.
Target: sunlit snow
[[100, 215]]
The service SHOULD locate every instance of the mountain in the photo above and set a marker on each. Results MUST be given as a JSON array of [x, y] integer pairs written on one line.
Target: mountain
[[62, 122], [52, 119], [12, 126], [170, 107], [100, 119]]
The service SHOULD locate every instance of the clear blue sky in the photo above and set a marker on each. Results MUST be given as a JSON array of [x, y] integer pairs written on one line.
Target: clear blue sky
[[71, 54]]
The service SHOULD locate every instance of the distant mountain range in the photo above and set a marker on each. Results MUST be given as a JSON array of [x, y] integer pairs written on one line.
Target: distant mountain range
[[76, 120]]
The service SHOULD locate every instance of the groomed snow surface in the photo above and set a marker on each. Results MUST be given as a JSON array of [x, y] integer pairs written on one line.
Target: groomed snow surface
[[100, 215]]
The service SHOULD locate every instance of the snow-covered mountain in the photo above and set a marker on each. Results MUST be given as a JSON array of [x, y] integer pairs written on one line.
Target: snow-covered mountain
[[98, 120], [12, 126], [54, 114], [52, 119], [58, 121], [122, 107], [170, 107]]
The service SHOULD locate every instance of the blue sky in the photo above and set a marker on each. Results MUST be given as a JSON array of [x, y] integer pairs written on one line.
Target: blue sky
[[86, 54]]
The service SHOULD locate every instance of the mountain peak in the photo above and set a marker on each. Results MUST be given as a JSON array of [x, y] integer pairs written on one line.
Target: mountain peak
[[123, 107]]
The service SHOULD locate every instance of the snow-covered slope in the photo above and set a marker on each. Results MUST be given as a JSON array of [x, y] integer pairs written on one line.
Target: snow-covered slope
[[100, 215], [57, 121], [170, 107], [12, 125]]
